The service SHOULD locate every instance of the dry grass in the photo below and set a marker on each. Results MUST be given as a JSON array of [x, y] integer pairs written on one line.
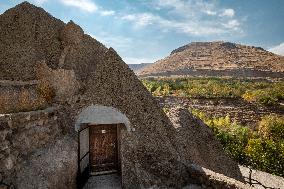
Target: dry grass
[[46, 91]]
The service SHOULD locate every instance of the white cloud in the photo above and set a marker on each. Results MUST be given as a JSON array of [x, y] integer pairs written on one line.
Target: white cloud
[[117, 42], [185, 26], [132, 60], [232, 24], [39, 2], [85, 5], [107, 12], [188, 8], [126, 47], [191, 17], [279, 49], [228, 12], [142, 19], [209, 12]]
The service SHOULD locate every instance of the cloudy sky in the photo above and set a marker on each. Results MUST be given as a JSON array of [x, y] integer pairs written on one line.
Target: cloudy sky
[[148, 30]]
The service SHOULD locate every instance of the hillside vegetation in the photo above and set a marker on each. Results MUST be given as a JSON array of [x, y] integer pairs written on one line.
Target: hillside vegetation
[[263, 92], [261, 147]]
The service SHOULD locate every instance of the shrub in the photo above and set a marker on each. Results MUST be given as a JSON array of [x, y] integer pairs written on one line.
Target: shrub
[[266, 155], [46, 91], [272, 127], [261, 96], [263, 150], [166, 89], [5, 103], [157, 92], [166, 110], [24, 100], [27, 102]]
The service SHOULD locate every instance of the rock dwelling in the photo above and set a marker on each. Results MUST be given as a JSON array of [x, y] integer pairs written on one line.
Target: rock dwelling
[[71, 109]]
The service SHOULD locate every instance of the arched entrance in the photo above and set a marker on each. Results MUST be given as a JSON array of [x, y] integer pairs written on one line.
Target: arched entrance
[[99, 141]]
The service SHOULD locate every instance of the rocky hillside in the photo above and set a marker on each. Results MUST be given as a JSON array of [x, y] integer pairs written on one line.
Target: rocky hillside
[[218, 59]]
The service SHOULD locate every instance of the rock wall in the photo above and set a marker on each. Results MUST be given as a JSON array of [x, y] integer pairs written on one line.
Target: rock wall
[[21, 134], [56, 85], [52, 167], [18, 96]]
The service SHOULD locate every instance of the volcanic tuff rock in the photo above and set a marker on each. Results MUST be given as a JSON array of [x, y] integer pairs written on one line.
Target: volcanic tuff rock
[[197, 144], [27, 34], [95, 75], [200, 58]]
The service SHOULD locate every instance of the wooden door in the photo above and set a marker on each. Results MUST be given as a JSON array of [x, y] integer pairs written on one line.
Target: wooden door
[[103, 148]]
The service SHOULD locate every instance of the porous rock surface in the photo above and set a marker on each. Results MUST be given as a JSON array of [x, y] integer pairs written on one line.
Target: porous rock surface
[[52, 167], [63, 82], [27, 34], [20, 96], [21, 135], [149, 154], [205, 178], [196, 144], [71, 34]]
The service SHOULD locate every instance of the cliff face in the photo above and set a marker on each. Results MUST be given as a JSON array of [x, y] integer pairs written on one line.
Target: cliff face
[[216, 56], [29, 34]]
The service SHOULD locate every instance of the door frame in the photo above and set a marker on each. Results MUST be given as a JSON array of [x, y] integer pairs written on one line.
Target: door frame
[[83, 178]]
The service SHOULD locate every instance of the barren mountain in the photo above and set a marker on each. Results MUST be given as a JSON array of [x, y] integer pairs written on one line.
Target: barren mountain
[[218, 59]]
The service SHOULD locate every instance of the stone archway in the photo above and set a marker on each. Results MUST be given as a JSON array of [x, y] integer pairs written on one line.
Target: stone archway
[[99, 132], [98, 114]]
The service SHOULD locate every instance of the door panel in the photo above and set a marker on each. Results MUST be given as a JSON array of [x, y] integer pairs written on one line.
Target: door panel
[[84, 155], [84, 149], [103, 148]]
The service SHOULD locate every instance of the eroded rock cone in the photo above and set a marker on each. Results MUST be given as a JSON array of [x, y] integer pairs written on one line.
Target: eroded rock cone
[[196, 144]]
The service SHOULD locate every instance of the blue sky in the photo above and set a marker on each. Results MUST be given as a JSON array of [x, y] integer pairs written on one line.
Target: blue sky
[[148, 30]]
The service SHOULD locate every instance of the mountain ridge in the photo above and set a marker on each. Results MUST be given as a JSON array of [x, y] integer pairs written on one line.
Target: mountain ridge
[[216, 56]]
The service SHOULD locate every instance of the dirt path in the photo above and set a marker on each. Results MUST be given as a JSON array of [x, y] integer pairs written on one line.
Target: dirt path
[[111, 181], [262, 179]]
